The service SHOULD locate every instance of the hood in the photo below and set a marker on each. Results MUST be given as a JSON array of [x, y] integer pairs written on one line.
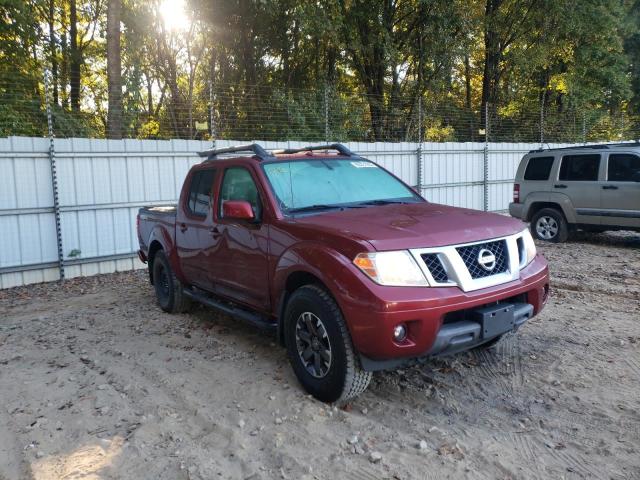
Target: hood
[[418, 225]]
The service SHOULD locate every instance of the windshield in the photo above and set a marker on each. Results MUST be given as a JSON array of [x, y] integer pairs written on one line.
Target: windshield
[[318, 184]]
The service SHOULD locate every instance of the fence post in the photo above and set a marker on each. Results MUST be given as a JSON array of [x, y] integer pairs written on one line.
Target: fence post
[[212, 124], [542, 119], [54, 175], [584, 128], [485, 180], [326, 113], [419, 171]]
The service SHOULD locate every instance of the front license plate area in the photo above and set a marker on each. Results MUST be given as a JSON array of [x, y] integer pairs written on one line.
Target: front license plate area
[[496, 320]]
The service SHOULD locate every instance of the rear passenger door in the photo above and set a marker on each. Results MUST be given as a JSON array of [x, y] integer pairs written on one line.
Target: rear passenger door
[[194, 220], [578, 178], [621, 191]]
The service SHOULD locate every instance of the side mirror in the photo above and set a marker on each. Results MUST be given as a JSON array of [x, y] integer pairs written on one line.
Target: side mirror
[[238, 209]]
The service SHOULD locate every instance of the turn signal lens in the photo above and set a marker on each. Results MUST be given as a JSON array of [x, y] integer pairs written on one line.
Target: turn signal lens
[[529, 246], [396, 268]]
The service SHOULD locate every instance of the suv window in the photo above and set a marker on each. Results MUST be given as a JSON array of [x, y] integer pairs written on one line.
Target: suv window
[[581, 168], [622, 167], [200, 192], [239, 185], [538, 168]]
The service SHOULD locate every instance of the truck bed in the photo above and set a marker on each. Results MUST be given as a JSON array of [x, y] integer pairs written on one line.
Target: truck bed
[[162, 216]]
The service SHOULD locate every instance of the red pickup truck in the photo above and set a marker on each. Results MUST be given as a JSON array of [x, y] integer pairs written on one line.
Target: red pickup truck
[[350, 267]]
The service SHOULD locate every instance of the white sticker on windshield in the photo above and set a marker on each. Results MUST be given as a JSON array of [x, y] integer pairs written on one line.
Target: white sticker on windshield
[[363, 165]]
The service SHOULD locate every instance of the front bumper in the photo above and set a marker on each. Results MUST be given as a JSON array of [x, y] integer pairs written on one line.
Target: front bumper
[[463, 335], [435, 317]]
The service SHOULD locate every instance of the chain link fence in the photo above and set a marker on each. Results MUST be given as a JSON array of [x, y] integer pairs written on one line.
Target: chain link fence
[[207, 111]]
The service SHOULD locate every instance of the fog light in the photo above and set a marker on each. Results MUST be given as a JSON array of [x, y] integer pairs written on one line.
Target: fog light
[[399, 333]]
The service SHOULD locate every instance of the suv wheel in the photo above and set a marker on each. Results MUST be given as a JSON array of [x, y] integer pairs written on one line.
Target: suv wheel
[[550, 225], [320, 349], [169, 290]]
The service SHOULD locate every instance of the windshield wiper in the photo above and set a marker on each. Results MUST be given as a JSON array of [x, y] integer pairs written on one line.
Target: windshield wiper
[[313, 208], [383, 202]]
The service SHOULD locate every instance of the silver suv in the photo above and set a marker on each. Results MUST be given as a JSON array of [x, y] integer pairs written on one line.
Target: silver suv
[[593, 188]]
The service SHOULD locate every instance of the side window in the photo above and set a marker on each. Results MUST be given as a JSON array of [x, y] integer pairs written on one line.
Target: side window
[[200, 192], [538, 168], [580, 168], [622, 167], [239, 185]]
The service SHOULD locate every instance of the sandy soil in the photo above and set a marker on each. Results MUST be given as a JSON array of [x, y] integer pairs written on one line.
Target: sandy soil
[[97, 382]]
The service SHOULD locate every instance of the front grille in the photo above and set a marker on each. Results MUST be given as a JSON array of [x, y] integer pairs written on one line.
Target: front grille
[[470, 255], [433, 263]]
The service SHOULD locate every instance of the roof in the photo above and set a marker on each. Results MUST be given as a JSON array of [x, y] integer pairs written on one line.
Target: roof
[[261, 154], [599, 146]]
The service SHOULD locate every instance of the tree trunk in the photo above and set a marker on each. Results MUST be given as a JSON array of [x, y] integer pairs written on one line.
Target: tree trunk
[[114, 70], [467, 82], [75, 58], [492, 57], [53, 52]]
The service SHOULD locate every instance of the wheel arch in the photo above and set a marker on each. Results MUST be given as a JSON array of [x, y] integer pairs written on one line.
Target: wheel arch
[[294, 280], [154, 248], [540, 205]]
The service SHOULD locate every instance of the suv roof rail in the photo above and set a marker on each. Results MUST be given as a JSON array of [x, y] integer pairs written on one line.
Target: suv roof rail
[[600, 146], [257, 150], [338, 147]]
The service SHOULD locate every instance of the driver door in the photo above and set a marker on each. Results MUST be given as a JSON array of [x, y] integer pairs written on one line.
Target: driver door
[[239, 268]]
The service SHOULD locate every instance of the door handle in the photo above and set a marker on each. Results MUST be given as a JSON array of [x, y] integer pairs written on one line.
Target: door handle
[[215, 233], [609, 187], [560, 186], [183, 227]]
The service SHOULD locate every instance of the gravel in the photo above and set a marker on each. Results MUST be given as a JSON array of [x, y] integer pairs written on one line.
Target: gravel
[[96, 381]]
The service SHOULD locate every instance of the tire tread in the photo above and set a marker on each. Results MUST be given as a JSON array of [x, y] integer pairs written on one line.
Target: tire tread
[[356, 379]]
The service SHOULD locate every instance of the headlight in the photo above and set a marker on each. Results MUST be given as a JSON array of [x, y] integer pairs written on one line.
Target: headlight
[[529, 246], [391, 268]]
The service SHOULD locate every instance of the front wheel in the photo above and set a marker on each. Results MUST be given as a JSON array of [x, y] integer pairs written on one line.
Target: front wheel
[[320, 349], [550, 225]]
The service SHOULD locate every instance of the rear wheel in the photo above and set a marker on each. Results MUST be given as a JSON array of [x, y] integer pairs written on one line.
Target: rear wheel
[[169, 290], [550, 225], [320, 349]]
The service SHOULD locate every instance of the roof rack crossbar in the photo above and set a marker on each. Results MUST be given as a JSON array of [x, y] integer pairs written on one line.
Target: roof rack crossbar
[[333, 146], [257, 150]]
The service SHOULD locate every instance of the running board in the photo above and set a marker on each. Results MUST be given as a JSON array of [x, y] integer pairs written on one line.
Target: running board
[[252, 318]]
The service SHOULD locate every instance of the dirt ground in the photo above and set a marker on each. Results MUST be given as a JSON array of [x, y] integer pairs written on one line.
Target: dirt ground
[[97, 382]]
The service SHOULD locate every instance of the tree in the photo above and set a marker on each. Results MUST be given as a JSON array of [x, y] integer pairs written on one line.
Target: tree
[[114, 70]]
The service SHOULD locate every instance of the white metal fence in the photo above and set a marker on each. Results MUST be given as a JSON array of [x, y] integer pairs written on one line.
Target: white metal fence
[[100, 185]]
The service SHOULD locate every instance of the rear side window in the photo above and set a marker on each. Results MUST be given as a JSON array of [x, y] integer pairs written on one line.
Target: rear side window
[[622, 167], [580, 168], [538, 168], [200, 192]]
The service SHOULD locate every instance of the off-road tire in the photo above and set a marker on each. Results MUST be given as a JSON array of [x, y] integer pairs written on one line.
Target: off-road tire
[[169, 290], [557, 216], [345, 378]]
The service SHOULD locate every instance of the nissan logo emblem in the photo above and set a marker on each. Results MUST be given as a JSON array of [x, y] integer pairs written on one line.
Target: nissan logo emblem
[[486, 259]]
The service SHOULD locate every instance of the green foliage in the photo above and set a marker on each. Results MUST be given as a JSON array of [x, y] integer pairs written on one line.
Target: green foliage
[[397, 70]]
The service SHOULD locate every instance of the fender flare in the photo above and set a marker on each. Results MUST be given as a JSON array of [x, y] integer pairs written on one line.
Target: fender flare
[[338, 275], [161, 234], [560, 199]]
